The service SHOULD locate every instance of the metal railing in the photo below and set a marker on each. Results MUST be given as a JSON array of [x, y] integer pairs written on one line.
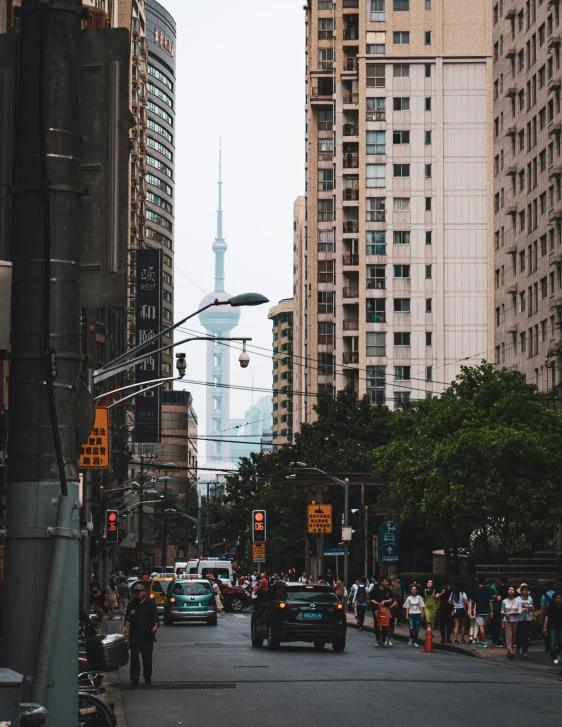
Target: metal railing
[[351, 226], [351, 325], [351, 292], [351, 259], [351, 357]]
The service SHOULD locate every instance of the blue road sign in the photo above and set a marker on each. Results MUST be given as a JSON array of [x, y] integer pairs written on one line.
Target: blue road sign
[[334, 550], [389, 532], [389, 553]]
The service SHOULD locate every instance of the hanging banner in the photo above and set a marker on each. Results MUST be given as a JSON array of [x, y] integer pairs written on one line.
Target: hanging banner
[[148, 405]]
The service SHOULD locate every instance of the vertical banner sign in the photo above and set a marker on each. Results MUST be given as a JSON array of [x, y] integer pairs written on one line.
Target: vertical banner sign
[[94, 453], [148, 405]]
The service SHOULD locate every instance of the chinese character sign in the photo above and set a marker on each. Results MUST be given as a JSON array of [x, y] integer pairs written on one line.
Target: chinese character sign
[[319, 519], [148, 404], [94, 453]]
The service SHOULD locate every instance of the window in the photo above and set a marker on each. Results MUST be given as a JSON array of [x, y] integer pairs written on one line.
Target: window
[[325, 59], [401, 238], [428, 137], [325, 150], [160, 183], [541, 35], [378, 14], [159, 129], [325, 4], [325, 210], [157, 146], [428, 272], [160, 112], [428, 204], [375, 142], [400, 37], [401, 170], [428, 103], [401, 271], [401, 305], [325, 364], [428, 338], [401, 104], [376, 243], [400, 137], [522, 302], [428, 237], [376, 277], [377, 209], [401, 6], [325, 302], [401, 204], [157, 200], [428, 171], [376, 344], [427, 37], [158, 237], [376, 381], [544, 288], [523, 341], [401, 339], [376, 175], [428, 70], [160, 76], [543, 245], [155, 91], [325, 119], [429, 373], [402, 373], [325, 334], [157, 164], [326, 272], [402, 398], [376, 42], [376, 310], [325, 241], [401, 70], [158, 219], [376, 109], [325, 179], [325, 28], [375, 76], [428, 303]]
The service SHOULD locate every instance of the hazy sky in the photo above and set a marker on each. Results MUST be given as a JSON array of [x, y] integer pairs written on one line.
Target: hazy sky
[[240, 74]]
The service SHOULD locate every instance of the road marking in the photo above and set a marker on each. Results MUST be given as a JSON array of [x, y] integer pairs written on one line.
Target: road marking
[[239, 615]]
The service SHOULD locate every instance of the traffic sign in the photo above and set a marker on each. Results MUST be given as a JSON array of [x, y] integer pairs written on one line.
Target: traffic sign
[[94, 453], [338, 550], [258, 552], [389, 553], [389, 532], [319, 519]]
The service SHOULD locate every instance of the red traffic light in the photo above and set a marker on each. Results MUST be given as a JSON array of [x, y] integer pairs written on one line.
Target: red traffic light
[[112, 516], [258, 526], [112, 526]]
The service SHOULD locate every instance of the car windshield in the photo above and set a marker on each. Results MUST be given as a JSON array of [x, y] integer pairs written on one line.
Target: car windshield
[[191, 588], [160, 586], [311, 595], [217, 573]]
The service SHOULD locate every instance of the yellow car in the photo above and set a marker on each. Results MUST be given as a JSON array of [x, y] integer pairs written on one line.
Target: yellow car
[[157, 588]]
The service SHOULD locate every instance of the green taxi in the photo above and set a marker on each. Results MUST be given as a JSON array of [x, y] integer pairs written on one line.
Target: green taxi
[[190, 599]]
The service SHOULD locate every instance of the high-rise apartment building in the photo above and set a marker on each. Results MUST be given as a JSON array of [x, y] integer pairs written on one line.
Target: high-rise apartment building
[[281, 317], [398, 217], [527, 276]]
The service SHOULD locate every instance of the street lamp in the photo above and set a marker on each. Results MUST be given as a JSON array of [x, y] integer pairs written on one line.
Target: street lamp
[[341, 483]]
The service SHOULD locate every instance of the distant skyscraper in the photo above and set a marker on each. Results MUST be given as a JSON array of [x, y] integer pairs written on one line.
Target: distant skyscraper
[[218, 321]]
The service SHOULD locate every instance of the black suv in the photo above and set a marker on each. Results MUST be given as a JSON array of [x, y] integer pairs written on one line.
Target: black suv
[[295, 612]]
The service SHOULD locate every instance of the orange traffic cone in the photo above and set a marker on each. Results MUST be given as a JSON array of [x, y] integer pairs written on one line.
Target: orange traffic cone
[[428, 645]]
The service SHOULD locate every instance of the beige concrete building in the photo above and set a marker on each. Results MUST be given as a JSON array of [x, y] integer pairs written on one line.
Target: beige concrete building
[[392, 281], [281, 316], [527, 188]]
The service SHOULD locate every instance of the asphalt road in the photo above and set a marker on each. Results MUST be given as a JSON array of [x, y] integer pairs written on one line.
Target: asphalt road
[[212, 676]]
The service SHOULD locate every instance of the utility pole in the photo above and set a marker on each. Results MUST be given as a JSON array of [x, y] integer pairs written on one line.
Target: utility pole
[[141, 519], [86, 517], [42, 537]]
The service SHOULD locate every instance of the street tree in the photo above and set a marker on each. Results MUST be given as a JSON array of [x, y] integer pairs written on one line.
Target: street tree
[[483, 457]]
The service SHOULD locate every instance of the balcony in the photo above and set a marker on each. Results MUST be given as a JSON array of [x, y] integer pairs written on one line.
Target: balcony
[[351, 33], [351, 3], [553, 85], [351, 160], [554, 128], [350, 98], [350, 130], [511, 131], [350, 65], [350, 357], [350, 226], [351, 259], [321, 92], [376, 115], [556, 214], [512, 171], [350, 194], [376, 317], [511, 210], [511, 92], [376, 283], [350, 292], [351, 325], [555, 172], [553, 41], [510, 53], [555, 259]]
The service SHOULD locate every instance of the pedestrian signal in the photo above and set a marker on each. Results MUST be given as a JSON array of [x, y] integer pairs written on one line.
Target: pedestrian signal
[[258, 526], [112, 526]]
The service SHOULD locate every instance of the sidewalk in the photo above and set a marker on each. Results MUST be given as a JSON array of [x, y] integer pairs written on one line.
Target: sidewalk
[[538, 660], [111, 678]]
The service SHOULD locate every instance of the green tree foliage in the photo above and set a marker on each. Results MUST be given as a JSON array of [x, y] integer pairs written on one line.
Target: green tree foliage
[[482, 460], [346, 430], [180, 531]]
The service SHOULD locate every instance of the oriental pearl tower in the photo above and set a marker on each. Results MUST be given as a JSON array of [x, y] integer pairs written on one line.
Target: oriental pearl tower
[[218, 321]]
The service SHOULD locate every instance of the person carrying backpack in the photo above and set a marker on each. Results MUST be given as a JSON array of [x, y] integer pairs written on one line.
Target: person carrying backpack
[[546, 602], [361, 599]]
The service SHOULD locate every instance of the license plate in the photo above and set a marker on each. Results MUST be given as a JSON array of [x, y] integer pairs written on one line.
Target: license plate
[[311, 615]]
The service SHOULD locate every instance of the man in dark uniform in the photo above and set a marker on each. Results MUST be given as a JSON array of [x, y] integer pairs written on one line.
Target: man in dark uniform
[[142, 616]]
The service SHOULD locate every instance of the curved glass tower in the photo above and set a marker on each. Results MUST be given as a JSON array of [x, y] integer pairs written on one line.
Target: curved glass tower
[[218, 321]]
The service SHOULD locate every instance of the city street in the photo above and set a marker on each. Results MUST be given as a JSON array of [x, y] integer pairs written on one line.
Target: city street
[[213, 676]]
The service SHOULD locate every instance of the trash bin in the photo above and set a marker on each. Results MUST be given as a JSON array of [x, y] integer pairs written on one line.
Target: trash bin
[[10, 696], [105, 652]]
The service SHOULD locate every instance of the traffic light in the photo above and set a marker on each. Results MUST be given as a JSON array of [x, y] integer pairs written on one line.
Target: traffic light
[[313, 545], [258, 526], [112, 526]]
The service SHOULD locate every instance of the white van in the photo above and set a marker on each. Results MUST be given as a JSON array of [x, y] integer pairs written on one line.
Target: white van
[[221, 569]]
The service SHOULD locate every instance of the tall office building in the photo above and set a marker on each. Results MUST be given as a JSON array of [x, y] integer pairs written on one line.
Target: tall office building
[[281, 317], [398, 221], [527, 190]]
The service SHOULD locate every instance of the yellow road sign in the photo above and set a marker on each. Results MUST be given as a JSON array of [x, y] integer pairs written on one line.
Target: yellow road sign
[[319, 519], [258, 552], [94, 454]]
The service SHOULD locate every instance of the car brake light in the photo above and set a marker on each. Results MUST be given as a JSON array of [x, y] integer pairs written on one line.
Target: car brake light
[[152, 595], [172, 600], [282, 605], [339, 607]]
